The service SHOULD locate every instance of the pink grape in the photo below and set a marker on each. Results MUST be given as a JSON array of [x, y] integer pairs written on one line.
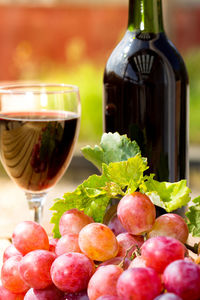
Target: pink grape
[[171, 225], [183, 278], [71, 272], [104, 281], [137, 213], [67, 243], [160, 251], [124, 262], [98, 242], [52, 244], [115, 225], [108, 297], [168, 296], [8, 295], [10, 275], [138, 262], [29, 236], [49, 293], [72, 221], [127, 241], [139, 283], [10, 251], [77, 296], [35, 267]]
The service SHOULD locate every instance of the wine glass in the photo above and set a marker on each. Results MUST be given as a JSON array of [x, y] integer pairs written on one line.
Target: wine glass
[[39, 125]]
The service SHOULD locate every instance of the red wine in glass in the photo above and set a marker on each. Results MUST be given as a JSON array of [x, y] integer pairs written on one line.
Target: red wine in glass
[[36, 147]]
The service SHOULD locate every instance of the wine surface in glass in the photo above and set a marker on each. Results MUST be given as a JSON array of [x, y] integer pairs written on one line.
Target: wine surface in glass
[[36, 147]]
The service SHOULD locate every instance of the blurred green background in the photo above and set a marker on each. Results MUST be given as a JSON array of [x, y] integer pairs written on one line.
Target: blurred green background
[[192, 60], [70, 41]]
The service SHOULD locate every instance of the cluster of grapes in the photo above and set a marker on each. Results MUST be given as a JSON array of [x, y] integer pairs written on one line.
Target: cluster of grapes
[[91, 261]]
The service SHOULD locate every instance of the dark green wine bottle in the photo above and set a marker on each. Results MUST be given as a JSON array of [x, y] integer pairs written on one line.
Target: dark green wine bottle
[[146, 92]]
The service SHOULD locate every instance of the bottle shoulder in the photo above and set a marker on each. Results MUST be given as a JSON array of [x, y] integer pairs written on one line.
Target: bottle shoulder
[[141, 51]]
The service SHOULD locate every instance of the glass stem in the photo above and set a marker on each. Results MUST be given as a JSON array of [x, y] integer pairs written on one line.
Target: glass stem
[[36, 202]]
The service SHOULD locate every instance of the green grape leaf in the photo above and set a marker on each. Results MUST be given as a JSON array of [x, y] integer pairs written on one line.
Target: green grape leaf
[[122, 168], [167, 195], [94, 194], [193, 217], [127, 174], [89, 197], [113, 148]]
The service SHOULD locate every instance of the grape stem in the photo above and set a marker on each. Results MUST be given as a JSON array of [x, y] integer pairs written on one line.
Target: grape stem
[[193, 248], [134, 254]]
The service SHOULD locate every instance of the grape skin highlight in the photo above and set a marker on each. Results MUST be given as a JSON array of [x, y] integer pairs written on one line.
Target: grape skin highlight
[[138, 262], [98, 242], [67, 243], [137, 213], [139, 283], [104, 281], [168, 296], [10, 275], [108, 297], [35, 268], [182, 277], [71, 272], [160, 251], [29, 236], [72, 221], [10, 251], [171, 225]]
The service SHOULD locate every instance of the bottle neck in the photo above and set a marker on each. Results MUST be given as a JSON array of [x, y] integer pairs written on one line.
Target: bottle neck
[[145, 15]]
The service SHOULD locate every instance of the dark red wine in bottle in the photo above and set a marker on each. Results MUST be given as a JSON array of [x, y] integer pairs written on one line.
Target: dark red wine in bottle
[[146, 92]]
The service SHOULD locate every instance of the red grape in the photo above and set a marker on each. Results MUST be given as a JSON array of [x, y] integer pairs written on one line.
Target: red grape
[[71, 272], [77, 296], [98, 242], [72, 221], [10, 275], [108, 297], [139, 283], [115, 225], [35, 267], [29, 236], [183, 278], [52, 244], [104, 281], [49, 293], [137, 213], [67, 243], [8, 295], [10, 251], [168, 296], [170, 225], [129, 242], [160, 251], [138, 262]]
